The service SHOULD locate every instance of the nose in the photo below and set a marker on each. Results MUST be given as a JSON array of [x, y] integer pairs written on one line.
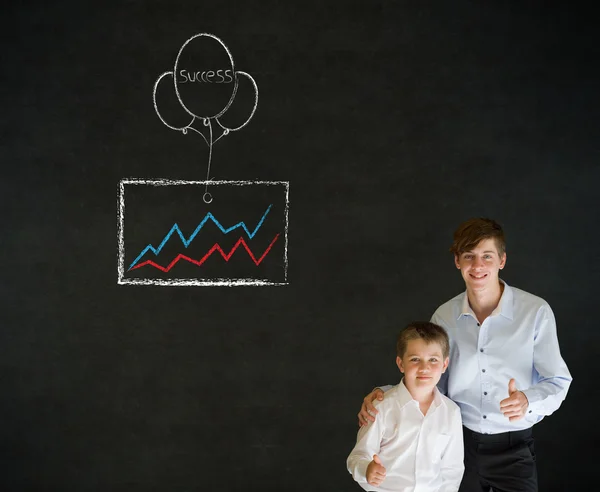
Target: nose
[[424, 367], [477, 262]]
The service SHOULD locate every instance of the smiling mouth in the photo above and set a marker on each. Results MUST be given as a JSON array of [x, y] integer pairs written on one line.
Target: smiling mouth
[[478, 277]]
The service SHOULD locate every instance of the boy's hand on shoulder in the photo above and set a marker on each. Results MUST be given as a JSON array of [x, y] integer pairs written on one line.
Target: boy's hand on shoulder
[[375, 471], [367, 410]]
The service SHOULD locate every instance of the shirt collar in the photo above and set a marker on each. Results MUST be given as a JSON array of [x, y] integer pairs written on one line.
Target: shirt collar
[[504, 307], [404, 396]]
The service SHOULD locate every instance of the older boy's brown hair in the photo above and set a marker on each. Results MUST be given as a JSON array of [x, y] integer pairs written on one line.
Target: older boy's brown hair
[[471, 232], [429, 332]]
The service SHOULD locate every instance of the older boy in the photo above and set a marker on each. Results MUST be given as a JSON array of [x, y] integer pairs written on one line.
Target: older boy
[[416, 442], [507, 372]]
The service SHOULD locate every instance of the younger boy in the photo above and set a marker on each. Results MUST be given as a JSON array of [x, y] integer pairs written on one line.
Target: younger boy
[[416, 442]]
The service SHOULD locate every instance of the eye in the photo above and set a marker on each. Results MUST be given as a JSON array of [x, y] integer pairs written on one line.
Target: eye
[[414, 359], [467, 257], [487, 257], [433, 359]]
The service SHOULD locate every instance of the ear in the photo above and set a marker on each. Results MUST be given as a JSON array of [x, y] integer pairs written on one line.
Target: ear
[[399, 364], [456, 261], [502, 261], [446, 364]]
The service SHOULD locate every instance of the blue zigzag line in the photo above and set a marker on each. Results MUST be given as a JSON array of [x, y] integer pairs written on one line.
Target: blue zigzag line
[[186, 242]]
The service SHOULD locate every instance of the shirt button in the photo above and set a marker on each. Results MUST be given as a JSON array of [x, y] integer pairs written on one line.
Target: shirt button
[[485, 416], [481, 350], [485, 392], [529, 411], [478, 324], [483, 370]]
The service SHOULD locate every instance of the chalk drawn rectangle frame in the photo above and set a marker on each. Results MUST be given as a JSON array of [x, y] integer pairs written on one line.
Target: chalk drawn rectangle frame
[[182, 282]]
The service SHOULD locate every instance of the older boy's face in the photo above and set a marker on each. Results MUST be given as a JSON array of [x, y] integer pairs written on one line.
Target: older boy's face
[[422, 364], [479, 267]]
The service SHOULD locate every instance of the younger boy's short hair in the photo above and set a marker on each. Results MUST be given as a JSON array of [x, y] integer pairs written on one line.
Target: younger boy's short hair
[[429, 332], [471, 232]]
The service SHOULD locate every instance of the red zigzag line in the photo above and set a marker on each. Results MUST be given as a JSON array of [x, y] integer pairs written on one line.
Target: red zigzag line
[[216, 247]]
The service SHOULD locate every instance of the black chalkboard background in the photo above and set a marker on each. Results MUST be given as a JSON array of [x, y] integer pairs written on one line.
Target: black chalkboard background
[[392, 122]]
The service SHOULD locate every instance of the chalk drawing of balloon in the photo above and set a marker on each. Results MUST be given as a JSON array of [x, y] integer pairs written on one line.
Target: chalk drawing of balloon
[[205, 83], [171, 113], [205, 80], [243, 106]]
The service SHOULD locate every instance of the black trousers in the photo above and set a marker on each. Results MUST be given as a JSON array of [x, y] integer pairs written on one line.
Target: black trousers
[[499, 462]]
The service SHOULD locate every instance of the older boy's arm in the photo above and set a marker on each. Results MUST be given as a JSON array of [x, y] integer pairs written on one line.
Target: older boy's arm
[[554, 377], [367, 410], [452, 459], [368, 442]]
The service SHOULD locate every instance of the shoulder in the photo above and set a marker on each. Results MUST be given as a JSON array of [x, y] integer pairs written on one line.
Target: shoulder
[[526, 299], [449, 311], [390, 398], [450, 405], [391, 394]]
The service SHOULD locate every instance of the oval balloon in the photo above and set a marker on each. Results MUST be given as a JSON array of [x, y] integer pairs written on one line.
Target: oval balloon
[[204, 75], [241, 111], [167, 106]]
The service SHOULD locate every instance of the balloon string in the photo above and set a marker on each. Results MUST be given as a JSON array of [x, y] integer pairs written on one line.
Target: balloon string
[[189, 127], [210, 146]]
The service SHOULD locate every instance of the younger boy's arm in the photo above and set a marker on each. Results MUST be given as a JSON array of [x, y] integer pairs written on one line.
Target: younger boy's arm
[[452, 459], [368, 442]]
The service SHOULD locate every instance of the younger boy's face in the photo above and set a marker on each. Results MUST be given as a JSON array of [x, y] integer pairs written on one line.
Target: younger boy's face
[[422, 364]]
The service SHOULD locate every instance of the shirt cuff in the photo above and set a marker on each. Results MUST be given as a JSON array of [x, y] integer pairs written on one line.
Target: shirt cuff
[[536, 404], [361, 471]]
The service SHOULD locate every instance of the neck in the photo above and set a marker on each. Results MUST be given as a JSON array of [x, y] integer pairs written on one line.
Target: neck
[[484, 301], [423, 395]]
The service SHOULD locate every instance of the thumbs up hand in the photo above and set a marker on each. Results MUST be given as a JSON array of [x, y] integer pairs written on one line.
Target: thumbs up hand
[[375, 471], [515, 406]]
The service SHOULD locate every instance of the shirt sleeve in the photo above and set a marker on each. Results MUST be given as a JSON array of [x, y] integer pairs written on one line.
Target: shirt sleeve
[[368, 443], [551, 375], [452, 464]]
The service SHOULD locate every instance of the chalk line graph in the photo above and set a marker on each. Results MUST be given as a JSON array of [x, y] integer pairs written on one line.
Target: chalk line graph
[[240, 245], [188, 241]]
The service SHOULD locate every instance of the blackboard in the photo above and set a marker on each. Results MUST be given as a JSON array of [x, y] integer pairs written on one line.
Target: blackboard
[[386, 124]]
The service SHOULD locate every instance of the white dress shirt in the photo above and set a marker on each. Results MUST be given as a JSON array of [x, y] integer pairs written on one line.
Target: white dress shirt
[[518, 340], [420, 453]]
